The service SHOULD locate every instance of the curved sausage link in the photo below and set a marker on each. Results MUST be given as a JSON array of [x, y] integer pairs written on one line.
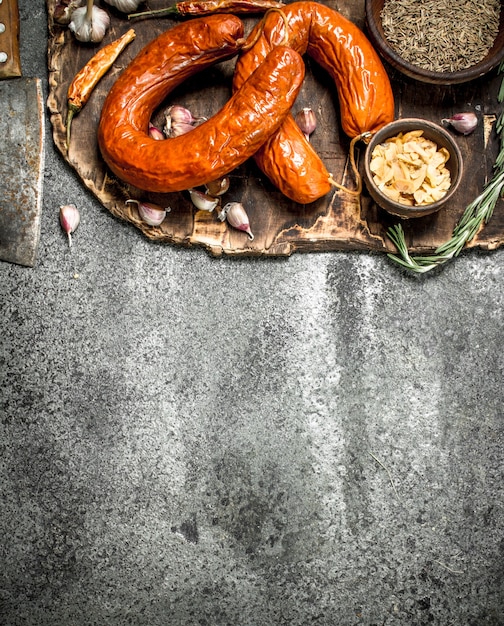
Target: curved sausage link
[[364, 91], [215, 147]]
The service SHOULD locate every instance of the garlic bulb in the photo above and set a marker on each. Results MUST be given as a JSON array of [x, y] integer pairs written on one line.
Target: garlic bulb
[[125, 6], [150, 213], [69, 219], [89, 23]]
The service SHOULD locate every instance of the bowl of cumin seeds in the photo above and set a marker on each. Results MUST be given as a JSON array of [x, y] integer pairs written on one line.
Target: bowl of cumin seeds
[[441, 42]]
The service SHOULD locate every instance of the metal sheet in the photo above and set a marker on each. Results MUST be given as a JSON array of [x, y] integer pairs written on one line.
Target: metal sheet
[[21, 169]]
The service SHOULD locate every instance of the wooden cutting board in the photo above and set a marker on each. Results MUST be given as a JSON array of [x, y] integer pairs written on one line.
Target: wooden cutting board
[[281, 227]]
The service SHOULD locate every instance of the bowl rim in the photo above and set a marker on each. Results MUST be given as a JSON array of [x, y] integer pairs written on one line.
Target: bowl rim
[[412, 123], [494, 57]]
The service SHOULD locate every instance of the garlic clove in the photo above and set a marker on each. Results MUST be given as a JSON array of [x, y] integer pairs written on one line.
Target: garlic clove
[[69, 219], [463, 123], [203, 201], [235, 214], [89, 25], [306, 121], [218, 187], [150, 213], [179, 121], [177, 113], [155, 133], [63, 10], [180, 128]]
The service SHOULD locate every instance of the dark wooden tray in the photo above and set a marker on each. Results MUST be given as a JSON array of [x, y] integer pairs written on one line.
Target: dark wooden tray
[[281, 227]]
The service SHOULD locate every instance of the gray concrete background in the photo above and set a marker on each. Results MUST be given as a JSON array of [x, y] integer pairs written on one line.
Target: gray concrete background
[[190, 441]]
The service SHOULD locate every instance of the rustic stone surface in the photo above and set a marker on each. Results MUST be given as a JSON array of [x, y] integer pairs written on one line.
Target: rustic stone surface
[[238, 441]]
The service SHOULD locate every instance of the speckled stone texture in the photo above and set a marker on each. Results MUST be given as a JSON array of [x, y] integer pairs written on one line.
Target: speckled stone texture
[[244, 442]]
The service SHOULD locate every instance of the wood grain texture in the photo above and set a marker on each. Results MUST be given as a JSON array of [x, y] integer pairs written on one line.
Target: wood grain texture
[[10, 65], [337, 221]]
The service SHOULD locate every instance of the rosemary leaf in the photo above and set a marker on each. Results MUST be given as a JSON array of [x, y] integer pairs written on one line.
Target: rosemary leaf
[[500, 95]]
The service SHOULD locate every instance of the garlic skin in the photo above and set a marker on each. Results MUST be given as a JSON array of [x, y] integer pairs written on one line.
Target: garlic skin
[[69, 217], [155, 133], [89, 25], [177, 113], [218, 187], [150, 213], [63, 10], [306, 121], [463, 123], [203, 201], [125, 6], [180, 128], [235, 214], [179, 120]]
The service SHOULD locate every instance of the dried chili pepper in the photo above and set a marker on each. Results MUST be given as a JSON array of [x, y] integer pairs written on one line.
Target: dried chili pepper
[[188, 8], [87, 78]]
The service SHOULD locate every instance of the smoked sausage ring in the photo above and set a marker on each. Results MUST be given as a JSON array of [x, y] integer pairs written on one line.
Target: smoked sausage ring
[[364, 90], [219, 145]]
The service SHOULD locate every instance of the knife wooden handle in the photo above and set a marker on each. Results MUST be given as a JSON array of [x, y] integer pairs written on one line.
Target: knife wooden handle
[[10, 62]]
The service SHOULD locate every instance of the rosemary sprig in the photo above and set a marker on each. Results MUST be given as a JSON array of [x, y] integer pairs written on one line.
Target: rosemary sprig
[[477, 213]]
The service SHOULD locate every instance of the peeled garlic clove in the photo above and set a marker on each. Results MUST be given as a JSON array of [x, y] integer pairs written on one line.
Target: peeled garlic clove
[[463, 123], [218, 187], [306, 121], [155, 133], [150, 213], [203, 201], [237, 217], [69, 219]]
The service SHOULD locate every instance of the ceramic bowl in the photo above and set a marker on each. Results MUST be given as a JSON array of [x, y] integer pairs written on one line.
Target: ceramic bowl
[[378, 39], [431, 131]]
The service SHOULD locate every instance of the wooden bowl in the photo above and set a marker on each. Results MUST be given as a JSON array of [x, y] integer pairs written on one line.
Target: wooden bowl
[[431, 131], [378, 39]]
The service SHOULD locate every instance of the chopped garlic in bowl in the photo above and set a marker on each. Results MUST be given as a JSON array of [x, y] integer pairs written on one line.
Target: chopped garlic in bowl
[[412, 167]]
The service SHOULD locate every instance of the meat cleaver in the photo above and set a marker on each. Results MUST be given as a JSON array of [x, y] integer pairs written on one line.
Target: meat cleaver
[[22, 125]]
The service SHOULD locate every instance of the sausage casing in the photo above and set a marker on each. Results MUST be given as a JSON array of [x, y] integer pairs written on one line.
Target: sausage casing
[[213, 148], [364, 90]]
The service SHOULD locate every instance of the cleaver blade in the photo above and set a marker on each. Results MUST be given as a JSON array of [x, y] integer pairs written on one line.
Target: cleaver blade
[[22, 125]]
